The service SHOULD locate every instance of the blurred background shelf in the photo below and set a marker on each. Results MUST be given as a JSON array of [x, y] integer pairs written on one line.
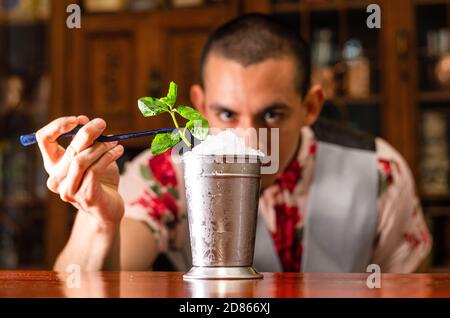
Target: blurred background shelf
[[435, 196], [439, 211], [12, 22], [343, 100], [303, 6], [437, 96], [21, 202]]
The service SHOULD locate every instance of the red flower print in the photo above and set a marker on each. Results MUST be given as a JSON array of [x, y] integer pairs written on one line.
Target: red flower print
[[289, 177], [313, 148], [412, 239], [425, 235], [286, 240], [386, 169], [162, 169], [171, 204], [157, 207]]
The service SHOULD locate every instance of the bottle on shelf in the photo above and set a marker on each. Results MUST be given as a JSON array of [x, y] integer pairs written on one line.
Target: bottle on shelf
[[8, 250], [438, 58], [16, 160], [435, 161], [357, 70], [94, 6], [323, 72]]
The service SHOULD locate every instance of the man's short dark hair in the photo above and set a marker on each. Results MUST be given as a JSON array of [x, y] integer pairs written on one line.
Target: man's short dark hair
[[253, 38]]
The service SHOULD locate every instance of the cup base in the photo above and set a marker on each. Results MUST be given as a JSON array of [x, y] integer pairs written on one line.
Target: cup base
[[199, 272]]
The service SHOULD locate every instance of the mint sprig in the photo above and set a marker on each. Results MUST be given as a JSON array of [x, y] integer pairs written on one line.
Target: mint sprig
[[196, 125]]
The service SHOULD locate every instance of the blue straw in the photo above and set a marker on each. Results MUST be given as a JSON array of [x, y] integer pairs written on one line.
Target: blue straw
[[30, 139]]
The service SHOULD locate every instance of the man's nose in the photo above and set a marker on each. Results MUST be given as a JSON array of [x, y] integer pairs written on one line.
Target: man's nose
[[249, 129], [248, 123]]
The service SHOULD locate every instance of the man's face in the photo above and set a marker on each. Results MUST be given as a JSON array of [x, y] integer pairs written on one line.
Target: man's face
[[262, 95]]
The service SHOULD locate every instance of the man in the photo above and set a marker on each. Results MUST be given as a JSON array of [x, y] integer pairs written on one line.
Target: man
[[339, 202]]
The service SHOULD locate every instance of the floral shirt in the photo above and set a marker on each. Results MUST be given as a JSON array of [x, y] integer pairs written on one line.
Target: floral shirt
[[153, 191]]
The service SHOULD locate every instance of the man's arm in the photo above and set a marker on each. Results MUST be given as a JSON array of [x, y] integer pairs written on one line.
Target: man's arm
[[85, 174], [91, 246], [138, 246], [403, 240], [130, 246]]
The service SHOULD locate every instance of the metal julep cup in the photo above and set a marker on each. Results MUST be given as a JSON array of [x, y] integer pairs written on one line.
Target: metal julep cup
[[222, 193]]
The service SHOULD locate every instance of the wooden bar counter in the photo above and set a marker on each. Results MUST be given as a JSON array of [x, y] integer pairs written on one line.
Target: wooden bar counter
[[168, 284]]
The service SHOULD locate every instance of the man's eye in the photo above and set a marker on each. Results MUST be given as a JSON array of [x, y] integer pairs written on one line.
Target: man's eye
[[226, 115], [272, 117]]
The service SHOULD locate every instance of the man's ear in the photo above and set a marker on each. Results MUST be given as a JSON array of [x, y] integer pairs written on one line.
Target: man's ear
[[313, 103], [198, 98]]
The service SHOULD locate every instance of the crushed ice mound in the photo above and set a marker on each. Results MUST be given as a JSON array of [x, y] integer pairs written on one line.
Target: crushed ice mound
[[224, 143]]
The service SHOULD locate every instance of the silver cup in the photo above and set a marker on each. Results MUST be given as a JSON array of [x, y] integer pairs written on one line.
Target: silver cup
[[222, 195]]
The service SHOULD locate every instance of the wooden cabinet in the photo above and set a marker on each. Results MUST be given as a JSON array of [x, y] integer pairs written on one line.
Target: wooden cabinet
[[406, 99], [24, 100], [332, 29], [103, 68], [181, 36], [105, 71], [114, 59], [431, 106]]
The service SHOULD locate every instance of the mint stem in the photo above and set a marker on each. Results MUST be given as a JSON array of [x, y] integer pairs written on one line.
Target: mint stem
[[183, 137]]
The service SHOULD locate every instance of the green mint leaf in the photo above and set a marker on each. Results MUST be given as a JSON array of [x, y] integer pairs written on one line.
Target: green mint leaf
[[145, 172], [155, 189], [198, 128], [189, 113], [163, 142], [172, 94], [166, 102], [197, 125], [150, 106], [173, 192]]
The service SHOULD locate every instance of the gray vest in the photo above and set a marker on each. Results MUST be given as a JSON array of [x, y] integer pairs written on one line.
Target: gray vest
[[341, 213]]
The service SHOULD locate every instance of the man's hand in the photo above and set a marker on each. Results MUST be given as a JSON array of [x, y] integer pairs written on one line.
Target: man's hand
[[85, 174]]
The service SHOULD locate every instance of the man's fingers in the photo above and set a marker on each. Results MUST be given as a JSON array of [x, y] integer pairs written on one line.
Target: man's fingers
[[47, 136], [89, 186], [56, 128], [79, 166], [83, 139], [53, 180], [108, 158], [87, 135], [83, 120]]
